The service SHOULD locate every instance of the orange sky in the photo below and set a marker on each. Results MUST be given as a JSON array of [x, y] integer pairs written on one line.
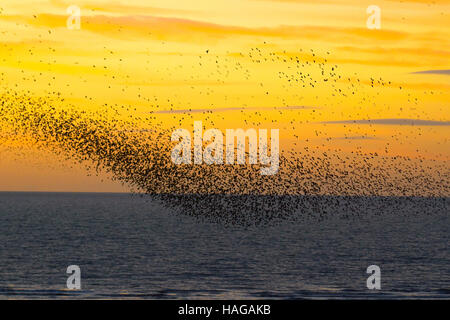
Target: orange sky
[[204, 54]]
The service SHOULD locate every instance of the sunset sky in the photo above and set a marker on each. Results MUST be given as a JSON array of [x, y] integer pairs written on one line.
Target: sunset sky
[[163, 56]]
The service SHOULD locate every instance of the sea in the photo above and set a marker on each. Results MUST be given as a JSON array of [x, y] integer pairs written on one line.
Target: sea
[[129, 246]]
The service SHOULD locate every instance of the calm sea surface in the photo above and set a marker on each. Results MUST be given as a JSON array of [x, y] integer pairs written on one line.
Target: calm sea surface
[[133, 247]]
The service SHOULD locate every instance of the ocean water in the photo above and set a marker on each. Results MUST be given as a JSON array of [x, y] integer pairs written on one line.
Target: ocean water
[[133, 247]]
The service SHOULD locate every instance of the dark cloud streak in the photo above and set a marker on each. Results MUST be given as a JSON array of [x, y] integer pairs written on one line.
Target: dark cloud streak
[[444, 72]]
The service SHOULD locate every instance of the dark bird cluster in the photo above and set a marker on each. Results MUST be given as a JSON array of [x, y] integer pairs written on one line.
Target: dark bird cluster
[[135, 147], [308, 185]]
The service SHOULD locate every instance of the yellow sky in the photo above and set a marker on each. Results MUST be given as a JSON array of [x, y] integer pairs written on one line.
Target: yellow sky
[[176, 54]]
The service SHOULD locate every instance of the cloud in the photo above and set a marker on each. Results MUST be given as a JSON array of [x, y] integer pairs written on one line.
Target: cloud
[[410, 122], [444, 71], [232, 109], [355, 138], [187, 30], [117, 7], [427, 2], [399, 56]]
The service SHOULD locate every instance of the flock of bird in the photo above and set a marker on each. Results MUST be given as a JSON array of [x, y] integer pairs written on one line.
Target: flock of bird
[[311, 183]]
